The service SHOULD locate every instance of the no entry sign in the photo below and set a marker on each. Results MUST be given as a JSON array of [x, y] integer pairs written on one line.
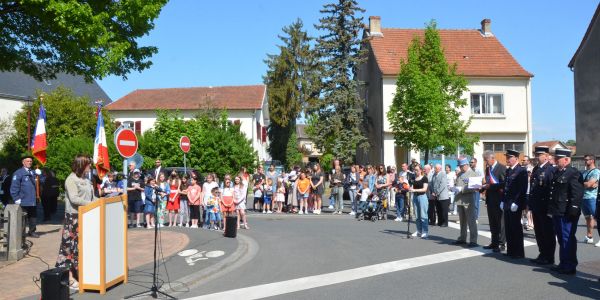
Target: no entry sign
[[184, 144], [126, 142]]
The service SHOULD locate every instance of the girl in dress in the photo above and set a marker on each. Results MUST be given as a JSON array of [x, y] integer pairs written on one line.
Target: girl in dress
[[239, 192], [184, 210], [280, 198], [162, 201], [173, 202], [194, 194], [227, 200]]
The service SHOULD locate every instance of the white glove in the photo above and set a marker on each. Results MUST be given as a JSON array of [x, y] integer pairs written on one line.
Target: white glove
[[459, 189], [514, 207], [502, 206], [18, 202]]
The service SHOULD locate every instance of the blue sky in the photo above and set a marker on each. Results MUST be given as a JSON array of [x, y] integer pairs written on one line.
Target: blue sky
[[214, 43]]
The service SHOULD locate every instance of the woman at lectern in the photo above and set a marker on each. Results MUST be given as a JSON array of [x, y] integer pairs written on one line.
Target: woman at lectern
[[78, 192]]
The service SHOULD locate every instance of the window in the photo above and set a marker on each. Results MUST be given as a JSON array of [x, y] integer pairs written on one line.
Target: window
[[138, 127], [502, 147], [487, 104]]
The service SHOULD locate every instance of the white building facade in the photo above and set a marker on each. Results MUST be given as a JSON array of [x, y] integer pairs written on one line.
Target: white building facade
[[246, 105], [498, 91]]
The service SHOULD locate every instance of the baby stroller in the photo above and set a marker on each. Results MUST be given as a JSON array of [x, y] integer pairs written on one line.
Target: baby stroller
[[373, 209]]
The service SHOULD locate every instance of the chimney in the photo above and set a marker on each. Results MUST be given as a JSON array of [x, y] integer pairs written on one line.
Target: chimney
[[375, 26], [486, 27]]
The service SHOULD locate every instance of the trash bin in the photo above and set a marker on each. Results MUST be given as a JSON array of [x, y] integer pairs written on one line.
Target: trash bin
[[231, 226]]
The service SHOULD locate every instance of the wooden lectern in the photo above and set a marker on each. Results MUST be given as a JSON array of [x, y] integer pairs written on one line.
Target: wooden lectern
[[103, 243]]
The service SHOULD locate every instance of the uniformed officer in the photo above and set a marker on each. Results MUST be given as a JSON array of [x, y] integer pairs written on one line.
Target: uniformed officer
[[513, 204], [566, 194], [539, 193], [23, 192]]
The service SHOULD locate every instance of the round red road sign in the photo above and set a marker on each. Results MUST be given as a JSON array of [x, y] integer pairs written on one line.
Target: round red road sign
[[126, 142], [184, 144]]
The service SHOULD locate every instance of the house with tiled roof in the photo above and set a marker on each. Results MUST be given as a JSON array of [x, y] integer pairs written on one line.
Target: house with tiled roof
[[246, 105], [552, 145], [498, 91]]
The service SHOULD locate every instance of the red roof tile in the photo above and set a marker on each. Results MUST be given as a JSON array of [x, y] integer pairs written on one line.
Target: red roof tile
[[475, 55], [228, 97]]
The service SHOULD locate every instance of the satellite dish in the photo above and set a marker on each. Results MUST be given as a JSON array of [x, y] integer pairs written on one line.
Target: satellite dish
[[138, 159]]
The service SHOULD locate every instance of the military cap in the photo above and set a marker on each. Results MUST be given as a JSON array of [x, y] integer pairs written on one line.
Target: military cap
[[559, 153], [511, 152], [542, 149]]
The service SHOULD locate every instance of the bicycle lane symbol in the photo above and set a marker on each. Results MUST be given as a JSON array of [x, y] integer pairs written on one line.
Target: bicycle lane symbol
[[193, 255]]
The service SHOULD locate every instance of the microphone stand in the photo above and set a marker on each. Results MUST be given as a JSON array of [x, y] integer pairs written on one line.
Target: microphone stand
[[408, 235], [154, 290]]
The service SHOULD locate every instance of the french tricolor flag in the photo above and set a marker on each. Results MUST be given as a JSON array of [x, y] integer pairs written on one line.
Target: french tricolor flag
[[39, 144], [101, 159]]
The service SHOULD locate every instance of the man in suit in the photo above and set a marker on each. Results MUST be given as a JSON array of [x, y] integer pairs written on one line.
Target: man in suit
[[566, 196], [439, 191], [23, 192], [539, 193], [495, 173], [158, 169], [466, 204], [513, 203]]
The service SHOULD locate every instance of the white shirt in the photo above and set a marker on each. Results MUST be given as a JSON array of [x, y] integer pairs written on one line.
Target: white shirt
[[365, 194]]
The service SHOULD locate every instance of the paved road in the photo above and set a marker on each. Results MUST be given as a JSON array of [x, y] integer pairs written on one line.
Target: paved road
[[337, 257]]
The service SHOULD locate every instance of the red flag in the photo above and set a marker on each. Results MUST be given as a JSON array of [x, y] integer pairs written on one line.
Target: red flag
[[101, 159]]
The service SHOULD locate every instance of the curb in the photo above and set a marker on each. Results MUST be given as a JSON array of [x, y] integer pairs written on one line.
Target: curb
[[246, 251]]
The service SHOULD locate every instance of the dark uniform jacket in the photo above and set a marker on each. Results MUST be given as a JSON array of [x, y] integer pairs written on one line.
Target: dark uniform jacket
[[515, 188], [539, 191], [566, 193], [22, 187], [494, 192]]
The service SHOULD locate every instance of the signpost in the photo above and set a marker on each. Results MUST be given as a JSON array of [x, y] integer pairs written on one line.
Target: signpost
[[127, 145], [184, 144]]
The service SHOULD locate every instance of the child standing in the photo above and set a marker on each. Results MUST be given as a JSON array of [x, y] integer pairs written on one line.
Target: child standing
[[150, 205], [364, 194], [184, 210], [212, 208], [162, 201], [303, 190], [268, 188], [194, 194], [227, 202], [239, 192], [207, 188], [280, 198], [173, 202]]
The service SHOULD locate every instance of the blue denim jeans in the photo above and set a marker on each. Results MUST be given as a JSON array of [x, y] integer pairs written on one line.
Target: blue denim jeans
[[352, 194], [399, 204], [421, 205]]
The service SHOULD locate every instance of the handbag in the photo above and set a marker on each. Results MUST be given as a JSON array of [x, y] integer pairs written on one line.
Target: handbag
[[334, 190]]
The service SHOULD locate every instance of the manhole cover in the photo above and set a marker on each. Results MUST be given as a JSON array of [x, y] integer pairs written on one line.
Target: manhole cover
[[188, 252]]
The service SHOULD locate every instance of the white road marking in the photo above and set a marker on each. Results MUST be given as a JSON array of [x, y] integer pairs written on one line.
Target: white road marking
[[310, 282], [487, 234], [315, 281], [187, 252], [126, 143]]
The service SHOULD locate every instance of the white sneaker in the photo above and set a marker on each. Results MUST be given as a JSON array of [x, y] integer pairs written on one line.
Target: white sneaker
[[194, 226], [269, 212], [186, 225], [330, 207], [264, 211], [300, 213], [352, 213], [587, 240], [597, 244], [416, 233], [398, 219], [424, 235]]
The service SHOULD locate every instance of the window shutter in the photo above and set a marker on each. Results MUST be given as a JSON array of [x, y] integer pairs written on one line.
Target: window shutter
[[138, 127], [258, 131], [264, 134]]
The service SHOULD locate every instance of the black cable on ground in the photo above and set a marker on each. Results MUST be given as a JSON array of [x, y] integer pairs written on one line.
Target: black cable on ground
[[165, 265]]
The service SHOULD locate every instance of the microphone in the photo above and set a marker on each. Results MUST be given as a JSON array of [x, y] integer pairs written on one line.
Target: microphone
[[158, 189]]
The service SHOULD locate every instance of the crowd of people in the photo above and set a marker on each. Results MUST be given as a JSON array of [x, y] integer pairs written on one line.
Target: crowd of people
[[547, 198]]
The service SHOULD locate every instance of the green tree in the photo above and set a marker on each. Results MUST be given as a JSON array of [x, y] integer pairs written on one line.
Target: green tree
[[89, 38], [70, 127], [293, 155], [217, 145], [570, 143], [292, 82], [424, 114], [336, 124]]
